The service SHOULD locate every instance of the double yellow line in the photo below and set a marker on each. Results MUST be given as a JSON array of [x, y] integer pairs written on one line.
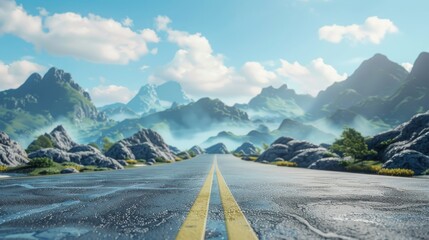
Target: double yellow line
[[236, 223]]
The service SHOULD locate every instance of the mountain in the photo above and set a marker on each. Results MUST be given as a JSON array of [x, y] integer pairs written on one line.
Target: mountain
[[341, 118], [259, 137], [375, 77], [152, 98], [183, 120], [118, 112], [42, 100], [411, 98], [277, 103], [298, 130]]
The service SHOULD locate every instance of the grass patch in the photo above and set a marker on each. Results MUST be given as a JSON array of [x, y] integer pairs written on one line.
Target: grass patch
[[368, 166], [3, 168], [285, 164], [400, 172]]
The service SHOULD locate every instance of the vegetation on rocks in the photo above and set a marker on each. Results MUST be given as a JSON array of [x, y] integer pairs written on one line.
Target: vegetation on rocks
[[286, 164], [41, 142], [352, 144], [400, 172]]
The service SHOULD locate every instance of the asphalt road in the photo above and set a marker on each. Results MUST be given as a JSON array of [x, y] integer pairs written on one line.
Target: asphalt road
[[153, 202]]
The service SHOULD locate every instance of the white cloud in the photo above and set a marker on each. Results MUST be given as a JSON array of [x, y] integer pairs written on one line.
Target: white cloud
[[127, 22], [372, 30], [14, 74], [144, 67], [162, 22], [407, 66], [102, 95], [203, 73], [43, 11], [309, 79], [91, 37]]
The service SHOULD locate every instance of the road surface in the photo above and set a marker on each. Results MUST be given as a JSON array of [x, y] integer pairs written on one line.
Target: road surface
[[153, 203]]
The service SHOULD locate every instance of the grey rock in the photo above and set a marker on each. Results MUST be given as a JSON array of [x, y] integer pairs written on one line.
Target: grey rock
[[69, 170], [278, 160], [83, 148], [301, 152], [409, 159], [122, 162], [11, 153], [145, 144], [83, 158], [247, 148], [333, 164], [197, 150], [174, 149], [306, 157], [218, 148], [60, 138]]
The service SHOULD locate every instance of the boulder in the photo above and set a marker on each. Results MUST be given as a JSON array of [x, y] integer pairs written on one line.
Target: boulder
[[333, 164], [84, 158], [69, 170], [218, 148], [145, 144], [301, 152], [247, 148], [409, 159], [11, 153]]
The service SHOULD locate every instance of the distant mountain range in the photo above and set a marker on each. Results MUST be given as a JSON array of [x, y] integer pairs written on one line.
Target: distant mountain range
[[262, 135], [183, 120], [277, 103], [378, 95], [149, 99]]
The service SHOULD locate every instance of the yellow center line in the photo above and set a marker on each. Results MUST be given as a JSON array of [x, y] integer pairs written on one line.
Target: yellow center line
[[194, 226], [237, 225]]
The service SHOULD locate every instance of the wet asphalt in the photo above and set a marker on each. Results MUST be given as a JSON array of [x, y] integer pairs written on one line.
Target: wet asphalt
[[152, 203]]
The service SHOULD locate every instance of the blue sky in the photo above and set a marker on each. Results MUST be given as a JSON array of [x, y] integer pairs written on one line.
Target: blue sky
[[224, 49]]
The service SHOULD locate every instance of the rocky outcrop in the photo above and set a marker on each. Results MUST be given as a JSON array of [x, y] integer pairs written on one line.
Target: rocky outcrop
[[145, 144], [332, 164], [89, 156], [301, 152], [174, 149], [405, 143], [409, 159], [61, 139], [218, 148], [11, 153], [247, 148], [196, 150]]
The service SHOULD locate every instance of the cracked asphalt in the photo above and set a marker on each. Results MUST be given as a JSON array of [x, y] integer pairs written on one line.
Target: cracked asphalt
[[152, 203]]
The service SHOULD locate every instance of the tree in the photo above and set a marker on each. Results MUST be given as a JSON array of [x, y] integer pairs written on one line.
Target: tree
[[107, 144], [351, 144]]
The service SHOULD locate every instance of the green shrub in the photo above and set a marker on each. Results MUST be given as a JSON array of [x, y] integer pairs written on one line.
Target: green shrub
[[400, 172], [41, 162], [41, 142], [362, 166], [286, 164], [352, 144], [131, 161], [107, 144], [3, 168]]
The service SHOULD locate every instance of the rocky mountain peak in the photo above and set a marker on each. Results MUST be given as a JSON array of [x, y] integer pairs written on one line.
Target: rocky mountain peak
[[218, 148], [61, 139], [420, 72]]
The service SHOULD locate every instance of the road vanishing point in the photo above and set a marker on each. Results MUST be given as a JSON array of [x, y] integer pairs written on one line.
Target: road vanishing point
[[214, 197]]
